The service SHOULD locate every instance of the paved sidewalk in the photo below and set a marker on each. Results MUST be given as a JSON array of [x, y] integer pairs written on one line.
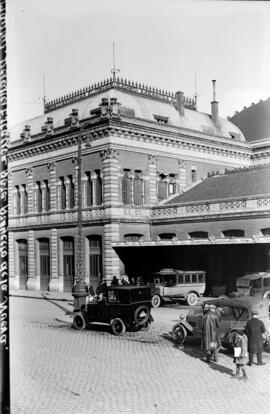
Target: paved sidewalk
[[35, 294]]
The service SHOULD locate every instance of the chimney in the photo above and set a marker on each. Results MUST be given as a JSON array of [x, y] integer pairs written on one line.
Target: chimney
[[180, 102], [214, 105]]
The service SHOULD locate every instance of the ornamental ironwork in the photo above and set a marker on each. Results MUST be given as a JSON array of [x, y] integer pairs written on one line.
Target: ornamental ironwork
[[121, 84]]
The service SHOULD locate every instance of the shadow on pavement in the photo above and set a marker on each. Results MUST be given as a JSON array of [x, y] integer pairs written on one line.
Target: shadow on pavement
[[193, 349], [67, 312]]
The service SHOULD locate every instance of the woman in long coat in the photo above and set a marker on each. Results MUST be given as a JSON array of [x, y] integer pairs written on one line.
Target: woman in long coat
[[210, 333]]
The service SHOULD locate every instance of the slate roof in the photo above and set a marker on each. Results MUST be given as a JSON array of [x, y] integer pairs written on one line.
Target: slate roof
[[254, 121], [144, 107], [233, 184]]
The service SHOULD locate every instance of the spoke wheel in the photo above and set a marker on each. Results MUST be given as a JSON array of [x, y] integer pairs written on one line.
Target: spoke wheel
[[118, 327], [79, 322], [141, 315], [156, 301], [192, 299], [179, 334]]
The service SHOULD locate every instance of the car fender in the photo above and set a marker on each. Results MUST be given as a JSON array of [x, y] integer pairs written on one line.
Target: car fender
[[187, 326]]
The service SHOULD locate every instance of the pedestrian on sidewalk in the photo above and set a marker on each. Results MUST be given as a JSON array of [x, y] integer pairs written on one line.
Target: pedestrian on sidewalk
[[240, 355], [255, 329], [211, 336]]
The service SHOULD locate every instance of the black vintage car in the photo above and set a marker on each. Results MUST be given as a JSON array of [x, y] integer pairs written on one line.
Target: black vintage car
[[122, 307]]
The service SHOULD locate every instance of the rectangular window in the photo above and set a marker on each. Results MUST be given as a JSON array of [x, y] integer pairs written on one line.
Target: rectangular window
[[194, 278], [193, 175], [187, 278]]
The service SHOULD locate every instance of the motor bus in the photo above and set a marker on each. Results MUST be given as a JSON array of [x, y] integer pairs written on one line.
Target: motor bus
[[169, 285]]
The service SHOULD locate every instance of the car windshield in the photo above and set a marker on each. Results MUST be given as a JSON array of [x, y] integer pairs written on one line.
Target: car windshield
[[242, 282]]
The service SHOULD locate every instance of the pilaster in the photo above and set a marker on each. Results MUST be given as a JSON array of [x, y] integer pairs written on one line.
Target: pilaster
[[31, 282], [111, 260], [111, 196], [152, 179], [11, 195], [30, 190], [182, 181], [52, 185], [54, 284]]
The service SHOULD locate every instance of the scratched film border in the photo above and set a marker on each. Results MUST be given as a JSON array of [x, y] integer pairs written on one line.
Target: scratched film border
[[4, 292]]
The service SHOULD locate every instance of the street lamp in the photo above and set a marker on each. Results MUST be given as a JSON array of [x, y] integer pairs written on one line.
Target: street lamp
[[79, 291]]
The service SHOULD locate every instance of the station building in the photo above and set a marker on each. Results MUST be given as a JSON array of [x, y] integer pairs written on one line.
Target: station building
[[162, 185]]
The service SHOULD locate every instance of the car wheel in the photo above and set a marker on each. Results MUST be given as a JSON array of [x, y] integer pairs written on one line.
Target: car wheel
[[192, 299], [266, 295], [179, 334], [156, 301], [118, 327], [141, 315], [79, 322]]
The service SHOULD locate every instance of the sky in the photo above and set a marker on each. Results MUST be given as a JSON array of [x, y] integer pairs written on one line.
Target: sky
[[162, 43]]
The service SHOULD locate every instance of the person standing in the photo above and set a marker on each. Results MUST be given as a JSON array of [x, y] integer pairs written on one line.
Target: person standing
[[211, 336], [255, 329], [240, 355]]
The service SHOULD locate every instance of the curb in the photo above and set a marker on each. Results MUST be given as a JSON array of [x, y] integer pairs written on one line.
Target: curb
[[41, 297]]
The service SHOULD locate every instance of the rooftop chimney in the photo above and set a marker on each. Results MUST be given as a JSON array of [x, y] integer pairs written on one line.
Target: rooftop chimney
[[180, 102], [214, 105]]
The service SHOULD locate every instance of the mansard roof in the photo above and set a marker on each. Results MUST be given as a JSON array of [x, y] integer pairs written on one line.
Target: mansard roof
[[238, 183], [254, 121], [142, 101]]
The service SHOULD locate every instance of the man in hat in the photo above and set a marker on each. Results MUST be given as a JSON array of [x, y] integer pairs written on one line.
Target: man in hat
[[211, 335], [254, 329]]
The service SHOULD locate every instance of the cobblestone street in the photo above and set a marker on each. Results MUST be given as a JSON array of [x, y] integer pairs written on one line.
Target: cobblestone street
[[56, 369]]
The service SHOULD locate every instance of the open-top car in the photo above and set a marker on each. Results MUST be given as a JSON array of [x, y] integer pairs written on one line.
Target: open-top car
[[234, 314], [122, 307]]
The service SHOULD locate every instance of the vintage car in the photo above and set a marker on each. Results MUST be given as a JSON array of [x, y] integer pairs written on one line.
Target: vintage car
[[254, 284], [234, 314], [122, 307]]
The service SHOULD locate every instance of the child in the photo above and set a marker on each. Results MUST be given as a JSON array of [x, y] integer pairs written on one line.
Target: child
[[240, 355]]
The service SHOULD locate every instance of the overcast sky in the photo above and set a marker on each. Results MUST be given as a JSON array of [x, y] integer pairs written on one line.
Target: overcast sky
[[160, 43]]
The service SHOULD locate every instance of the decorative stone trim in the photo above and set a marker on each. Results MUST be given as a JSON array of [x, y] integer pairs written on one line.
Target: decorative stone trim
[[232, 205], [110, 153], [201, 208]]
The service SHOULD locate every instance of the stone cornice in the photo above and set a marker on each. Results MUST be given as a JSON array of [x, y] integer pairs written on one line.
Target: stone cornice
[[169, 137]]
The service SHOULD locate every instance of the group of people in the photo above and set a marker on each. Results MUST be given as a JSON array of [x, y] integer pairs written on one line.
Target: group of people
[[101, 290], [246, 342]]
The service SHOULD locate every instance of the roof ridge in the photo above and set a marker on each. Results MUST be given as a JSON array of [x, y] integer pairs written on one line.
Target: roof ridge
[[249, 168], [132, 87]]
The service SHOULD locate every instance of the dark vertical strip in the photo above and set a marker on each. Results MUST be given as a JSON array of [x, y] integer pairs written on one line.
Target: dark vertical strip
[[4, 298]]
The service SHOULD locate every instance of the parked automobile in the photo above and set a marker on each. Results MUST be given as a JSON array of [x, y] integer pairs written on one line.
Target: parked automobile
[[122, 307], [169, 285], [234, 314], [254, 284]]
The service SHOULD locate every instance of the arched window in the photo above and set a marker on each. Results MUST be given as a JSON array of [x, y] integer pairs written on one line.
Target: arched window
[[25, 200], [132, 237], [98, 188], [47, 195], [39, 197], [233, 233], [44, 252], [198, 235], [266, 232], [23, 257], [18, 200], [62, 193], [68, 263], [138, 188], [166, 236], [89, 189], [126, 187], [162, 187], [95, 259], [71, 193]]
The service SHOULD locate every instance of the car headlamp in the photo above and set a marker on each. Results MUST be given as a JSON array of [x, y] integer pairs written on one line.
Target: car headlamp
[[182, 316]]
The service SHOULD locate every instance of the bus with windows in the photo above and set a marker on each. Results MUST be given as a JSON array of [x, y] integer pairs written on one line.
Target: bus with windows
[[169, 285]]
